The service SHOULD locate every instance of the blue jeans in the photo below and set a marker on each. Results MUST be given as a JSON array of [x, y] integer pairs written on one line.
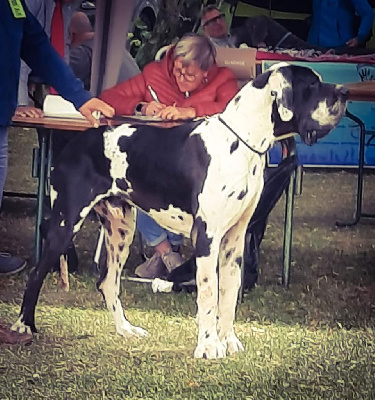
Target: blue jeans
[[153, 233], [3, 159]]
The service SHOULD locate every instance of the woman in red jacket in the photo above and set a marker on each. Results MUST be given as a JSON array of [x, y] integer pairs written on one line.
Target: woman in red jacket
[[185, 84]]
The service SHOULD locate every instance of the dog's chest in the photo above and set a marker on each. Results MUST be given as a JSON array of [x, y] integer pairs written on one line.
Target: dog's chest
[[234, 180]]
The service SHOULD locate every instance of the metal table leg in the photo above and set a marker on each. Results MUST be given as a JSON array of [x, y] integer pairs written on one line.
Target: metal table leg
[[288, 230], [361, 162]]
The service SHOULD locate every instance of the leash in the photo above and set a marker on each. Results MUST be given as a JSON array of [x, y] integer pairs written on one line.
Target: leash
[[142, 119], [285, 136], [260, 153], [277, 139], [282, 39]]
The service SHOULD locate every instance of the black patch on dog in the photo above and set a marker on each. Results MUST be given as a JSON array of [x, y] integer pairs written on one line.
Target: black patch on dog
[[261, 80], [242, 194], [203, 243], [122, 184], [167, 166], [95, 165], [234, 146], [122, 233]]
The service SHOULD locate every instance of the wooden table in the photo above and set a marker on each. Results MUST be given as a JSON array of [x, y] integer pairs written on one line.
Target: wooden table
[[359, 91]]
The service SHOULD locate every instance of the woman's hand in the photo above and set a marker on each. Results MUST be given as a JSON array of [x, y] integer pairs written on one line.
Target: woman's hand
[[153, 108], [26, 111], [173, 113]]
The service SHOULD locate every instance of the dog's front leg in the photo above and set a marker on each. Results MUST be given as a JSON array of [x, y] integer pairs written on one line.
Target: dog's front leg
[[119, 226], [230, 262], [209, 346]]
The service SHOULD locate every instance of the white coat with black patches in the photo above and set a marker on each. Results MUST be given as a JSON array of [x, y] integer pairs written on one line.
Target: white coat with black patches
[[207, 188]]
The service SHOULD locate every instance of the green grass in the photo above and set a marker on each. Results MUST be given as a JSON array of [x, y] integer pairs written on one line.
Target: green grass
[[299, 344], [313, 341]]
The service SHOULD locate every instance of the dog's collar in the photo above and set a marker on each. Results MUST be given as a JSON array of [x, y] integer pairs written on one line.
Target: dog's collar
[[282, 39], [260, 153]]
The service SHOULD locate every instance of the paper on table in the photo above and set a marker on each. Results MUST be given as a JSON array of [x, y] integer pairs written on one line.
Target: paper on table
[[56, 106]]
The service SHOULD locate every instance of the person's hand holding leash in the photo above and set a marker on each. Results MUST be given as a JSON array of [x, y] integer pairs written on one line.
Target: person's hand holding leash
[[95, 104]]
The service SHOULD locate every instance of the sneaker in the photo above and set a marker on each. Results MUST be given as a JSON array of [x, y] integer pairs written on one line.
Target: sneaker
[[172, 260], [12, 337], [10, 265], [152, 268]]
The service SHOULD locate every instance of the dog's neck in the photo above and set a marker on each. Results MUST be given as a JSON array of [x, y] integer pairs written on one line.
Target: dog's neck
[[251, 119]]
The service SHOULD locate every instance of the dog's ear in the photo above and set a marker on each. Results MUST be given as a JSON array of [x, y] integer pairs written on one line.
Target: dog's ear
[[280, 82], [261, 80]]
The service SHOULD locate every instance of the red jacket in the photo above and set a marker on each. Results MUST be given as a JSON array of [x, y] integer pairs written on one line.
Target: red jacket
[[209, 98]]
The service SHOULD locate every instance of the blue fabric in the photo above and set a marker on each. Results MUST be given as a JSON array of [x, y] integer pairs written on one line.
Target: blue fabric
[[27, 38], [3, 159], [153, 233], [332, 22]]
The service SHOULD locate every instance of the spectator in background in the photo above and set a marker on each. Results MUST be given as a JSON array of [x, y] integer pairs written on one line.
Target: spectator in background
[[215, 27], [81, 48], [333, 23]]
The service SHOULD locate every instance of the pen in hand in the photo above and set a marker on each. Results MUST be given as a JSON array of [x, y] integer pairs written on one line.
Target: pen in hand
[[153, 93]]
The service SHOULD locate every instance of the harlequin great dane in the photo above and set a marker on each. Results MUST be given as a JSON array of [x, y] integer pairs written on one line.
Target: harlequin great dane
[[202, 179]]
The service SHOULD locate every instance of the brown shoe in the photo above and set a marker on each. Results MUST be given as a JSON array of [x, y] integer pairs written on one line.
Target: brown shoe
[[152, 268], [172, 260], [12, 337]]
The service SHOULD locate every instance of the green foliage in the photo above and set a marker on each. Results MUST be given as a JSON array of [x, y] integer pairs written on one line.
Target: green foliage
[[175, 18]]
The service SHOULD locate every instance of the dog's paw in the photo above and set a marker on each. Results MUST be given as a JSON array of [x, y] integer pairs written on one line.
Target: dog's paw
[[20, 327], [232, 344], [210, 350], [132, 331]]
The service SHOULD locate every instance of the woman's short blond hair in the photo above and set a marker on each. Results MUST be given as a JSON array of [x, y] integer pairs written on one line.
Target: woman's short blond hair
[[195, 48]]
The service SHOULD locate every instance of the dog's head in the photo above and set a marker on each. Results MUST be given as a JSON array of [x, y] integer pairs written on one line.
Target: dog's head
[[302, 102]]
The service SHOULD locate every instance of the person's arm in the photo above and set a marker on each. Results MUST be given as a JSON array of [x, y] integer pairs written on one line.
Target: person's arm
[[125, 96], [364, 11], [45, 62]]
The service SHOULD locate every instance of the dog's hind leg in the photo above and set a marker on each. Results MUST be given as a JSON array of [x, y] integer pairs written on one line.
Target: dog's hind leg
[[118, 221], [230, 262], [57, 242]]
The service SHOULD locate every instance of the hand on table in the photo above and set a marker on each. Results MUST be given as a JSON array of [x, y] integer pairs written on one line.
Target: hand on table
[[98, 105], [152, 108], [26, 111], [172, 113]]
